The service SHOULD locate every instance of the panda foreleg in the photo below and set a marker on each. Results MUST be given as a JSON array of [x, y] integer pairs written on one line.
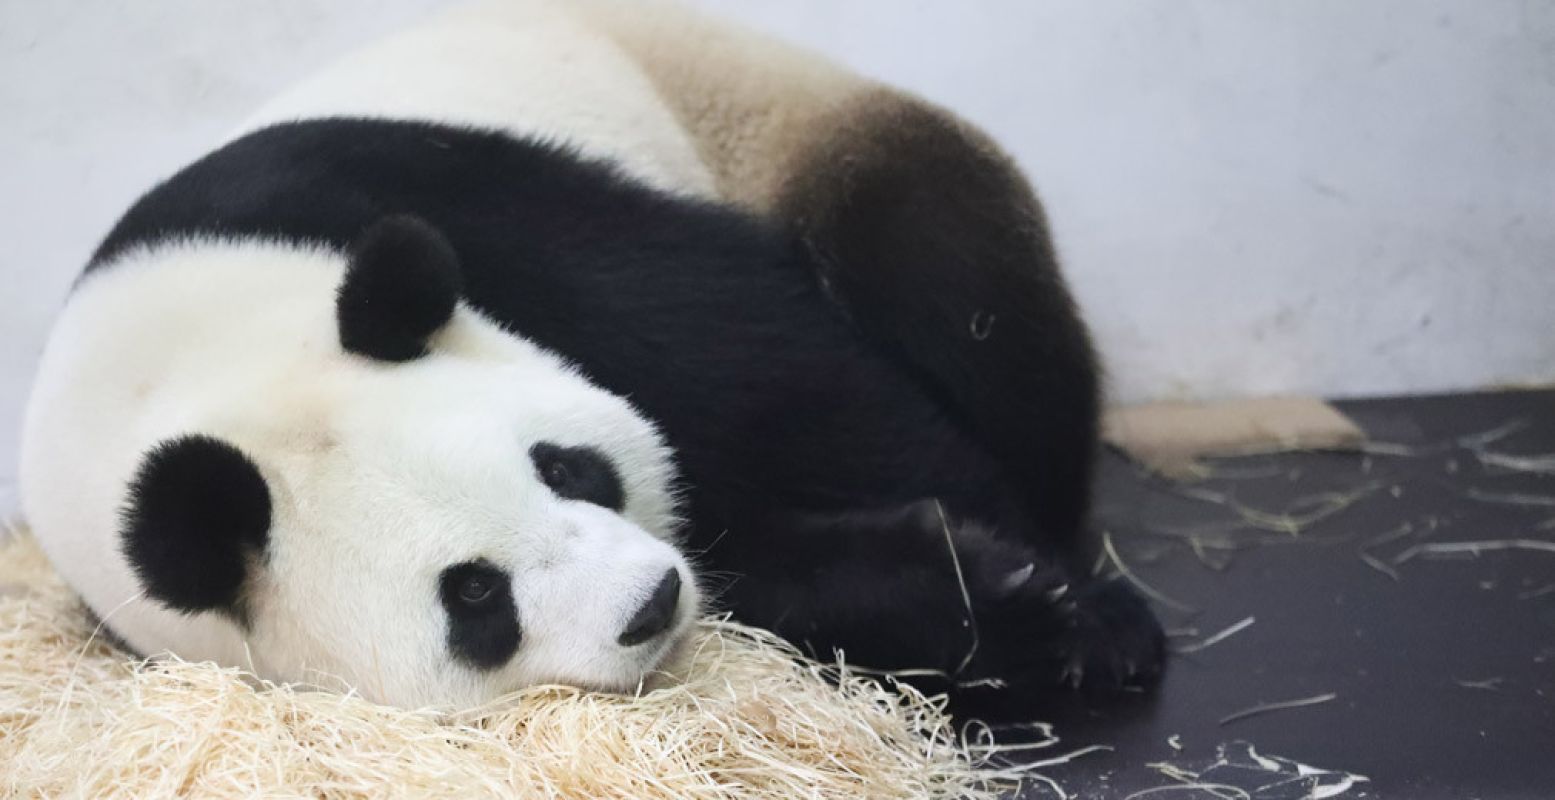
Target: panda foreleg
[[907, 588]]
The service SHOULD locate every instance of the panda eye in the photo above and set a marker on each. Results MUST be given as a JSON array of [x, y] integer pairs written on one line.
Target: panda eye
[[475, 590], [579, 473], [555, 475], [483, 627], [472, 586]]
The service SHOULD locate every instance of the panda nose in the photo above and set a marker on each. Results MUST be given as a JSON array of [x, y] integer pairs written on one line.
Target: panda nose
[[656, 615]]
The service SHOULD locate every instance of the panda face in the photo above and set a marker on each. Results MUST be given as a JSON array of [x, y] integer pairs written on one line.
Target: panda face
[[429, 511], [467, 529]]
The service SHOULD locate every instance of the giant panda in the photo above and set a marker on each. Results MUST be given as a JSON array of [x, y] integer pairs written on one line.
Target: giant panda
[[497, 352]]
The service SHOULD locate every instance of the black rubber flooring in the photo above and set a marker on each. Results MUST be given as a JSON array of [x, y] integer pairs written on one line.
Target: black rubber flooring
[[1407, 657]]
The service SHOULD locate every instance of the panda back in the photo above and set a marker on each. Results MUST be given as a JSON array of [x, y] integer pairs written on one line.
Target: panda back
[[526, 68]]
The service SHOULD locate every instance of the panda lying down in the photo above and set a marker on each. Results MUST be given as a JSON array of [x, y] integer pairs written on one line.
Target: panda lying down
[[496, 353]]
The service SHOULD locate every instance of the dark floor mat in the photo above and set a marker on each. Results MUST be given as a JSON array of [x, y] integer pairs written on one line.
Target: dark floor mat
[[1404, 655]]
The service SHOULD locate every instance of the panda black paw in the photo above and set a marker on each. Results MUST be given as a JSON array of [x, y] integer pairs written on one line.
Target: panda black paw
[[1098, 637], [1113, 640], [1038, 627]]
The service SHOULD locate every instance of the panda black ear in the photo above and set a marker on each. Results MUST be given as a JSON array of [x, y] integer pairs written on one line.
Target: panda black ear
[[198, 513], [401, 287]]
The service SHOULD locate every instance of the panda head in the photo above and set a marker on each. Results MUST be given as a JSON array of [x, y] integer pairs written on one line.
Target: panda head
[[433, 512]]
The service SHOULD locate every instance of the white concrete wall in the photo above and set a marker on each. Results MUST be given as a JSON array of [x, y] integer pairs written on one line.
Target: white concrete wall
[[1336, 196]]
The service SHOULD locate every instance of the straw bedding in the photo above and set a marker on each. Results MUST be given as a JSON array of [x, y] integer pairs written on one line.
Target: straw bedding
[[751, 719]]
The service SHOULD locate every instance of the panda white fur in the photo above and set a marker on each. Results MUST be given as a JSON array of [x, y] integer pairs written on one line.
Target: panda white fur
[[428, 381]]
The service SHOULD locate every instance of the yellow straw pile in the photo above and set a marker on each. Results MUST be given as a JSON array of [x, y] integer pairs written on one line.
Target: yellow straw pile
[[751, 720]]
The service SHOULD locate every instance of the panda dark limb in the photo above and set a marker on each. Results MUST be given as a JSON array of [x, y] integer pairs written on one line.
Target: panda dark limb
[[906, 589], [933, 244]]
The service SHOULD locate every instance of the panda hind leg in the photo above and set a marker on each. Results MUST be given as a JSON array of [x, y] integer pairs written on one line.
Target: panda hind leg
[[932, 243]]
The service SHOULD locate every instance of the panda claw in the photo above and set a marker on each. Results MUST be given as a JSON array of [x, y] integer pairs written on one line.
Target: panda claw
[[1074, 673], [1013, 581]]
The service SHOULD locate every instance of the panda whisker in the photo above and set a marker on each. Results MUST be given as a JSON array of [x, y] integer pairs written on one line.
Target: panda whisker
[[702, 551], [714, 595]]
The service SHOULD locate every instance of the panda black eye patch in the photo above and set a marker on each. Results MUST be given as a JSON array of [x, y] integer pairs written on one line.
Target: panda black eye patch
[[483, 628], [579, 473]]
